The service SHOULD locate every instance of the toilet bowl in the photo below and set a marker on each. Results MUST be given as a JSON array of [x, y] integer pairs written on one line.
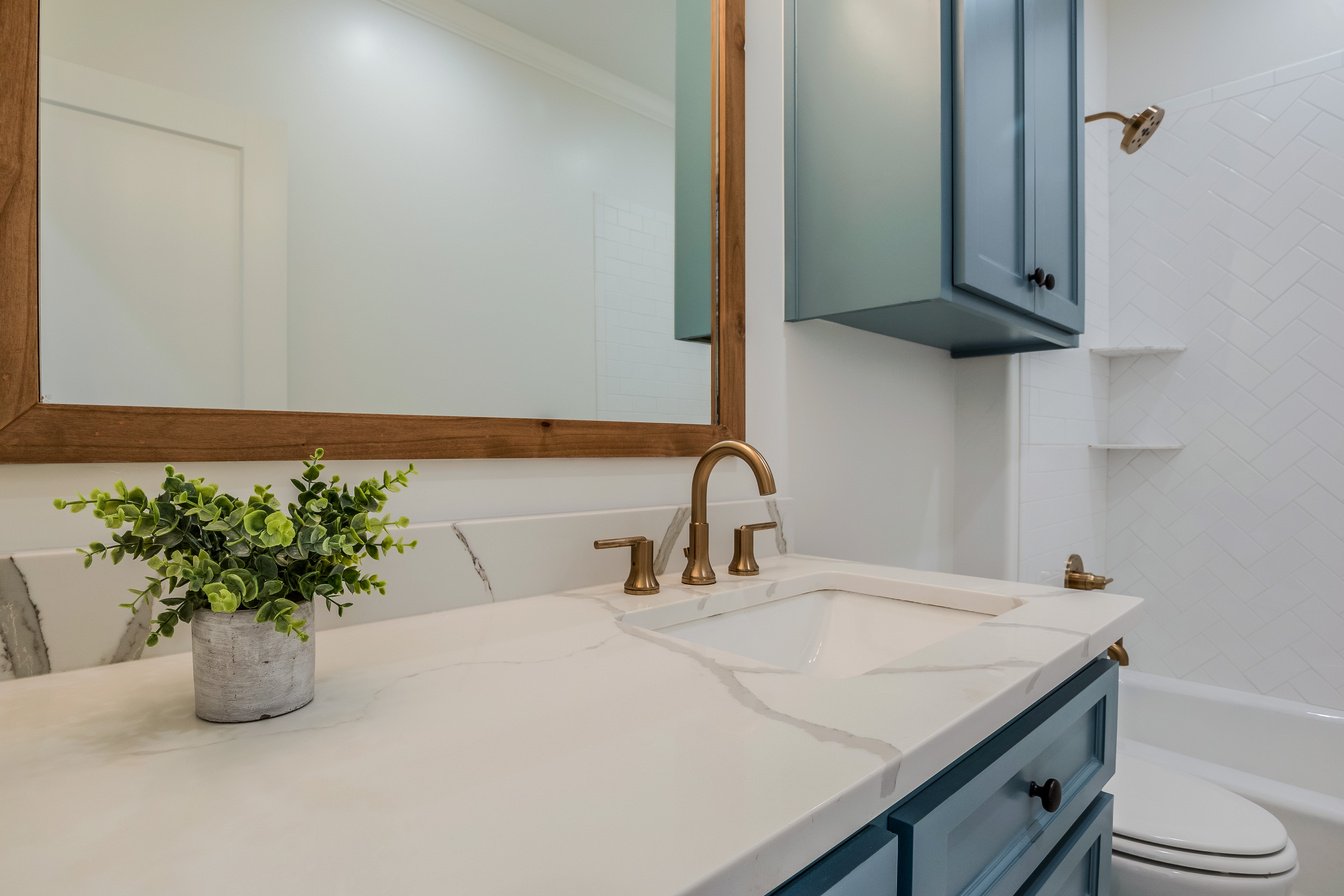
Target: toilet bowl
[[1177, 835]]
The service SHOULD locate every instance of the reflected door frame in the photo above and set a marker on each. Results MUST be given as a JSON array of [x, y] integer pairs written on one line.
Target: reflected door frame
[[262, 201]]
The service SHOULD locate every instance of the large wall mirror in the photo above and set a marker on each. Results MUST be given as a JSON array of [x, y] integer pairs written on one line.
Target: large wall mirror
[[239, 229]]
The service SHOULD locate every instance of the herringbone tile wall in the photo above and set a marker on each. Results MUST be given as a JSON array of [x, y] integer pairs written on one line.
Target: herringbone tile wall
[[1227, 235]]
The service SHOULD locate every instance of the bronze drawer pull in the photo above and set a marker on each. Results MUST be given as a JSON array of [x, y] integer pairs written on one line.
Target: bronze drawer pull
[[1051, 793]]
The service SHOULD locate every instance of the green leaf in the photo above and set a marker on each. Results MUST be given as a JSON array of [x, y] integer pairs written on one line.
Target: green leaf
[[279, 530], [222, 600], [254, 523]]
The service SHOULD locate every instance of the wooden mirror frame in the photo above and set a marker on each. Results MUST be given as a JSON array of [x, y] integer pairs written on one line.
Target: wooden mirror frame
[[33, 431]]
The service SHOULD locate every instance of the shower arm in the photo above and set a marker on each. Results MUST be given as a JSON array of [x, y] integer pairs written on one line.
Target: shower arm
[[1113, 116]]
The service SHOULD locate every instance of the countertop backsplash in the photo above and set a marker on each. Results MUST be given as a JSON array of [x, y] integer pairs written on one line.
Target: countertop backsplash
[[56, 616]]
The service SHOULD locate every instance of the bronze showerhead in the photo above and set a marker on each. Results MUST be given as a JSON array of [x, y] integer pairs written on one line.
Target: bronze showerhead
[[1139, 128]]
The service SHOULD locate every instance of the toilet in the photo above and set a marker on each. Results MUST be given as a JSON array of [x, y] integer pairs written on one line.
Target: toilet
[[1177, 835]]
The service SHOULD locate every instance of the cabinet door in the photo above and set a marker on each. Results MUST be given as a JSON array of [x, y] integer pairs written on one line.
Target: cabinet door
[[989, 171], [1081, 866], [1054, 135]]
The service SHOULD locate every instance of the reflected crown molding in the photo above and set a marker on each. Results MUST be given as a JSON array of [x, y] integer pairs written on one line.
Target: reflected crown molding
[[494, 35]]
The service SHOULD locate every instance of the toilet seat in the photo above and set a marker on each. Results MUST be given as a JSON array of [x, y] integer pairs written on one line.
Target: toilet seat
[[1281, 862], [1185, 822]]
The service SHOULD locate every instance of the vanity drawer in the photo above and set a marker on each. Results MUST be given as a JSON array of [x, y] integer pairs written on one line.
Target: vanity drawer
[[864, 865], [976, 830], [1081, 866]]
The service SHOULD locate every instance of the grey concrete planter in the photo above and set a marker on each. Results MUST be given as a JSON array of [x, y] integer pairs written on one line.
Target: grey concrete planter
[[246, 671]]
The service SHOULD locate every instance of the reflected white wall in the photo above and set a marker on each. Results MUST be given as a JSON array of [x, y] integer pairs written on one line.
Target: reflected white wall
[[440, 193]]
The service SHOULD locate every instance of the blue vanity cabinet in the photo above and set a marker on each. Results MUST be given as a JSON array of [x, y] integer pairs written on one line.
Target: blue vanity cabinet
[[864, 865], [977, 828], [1081, 865], [933, 155], [1022, 814]]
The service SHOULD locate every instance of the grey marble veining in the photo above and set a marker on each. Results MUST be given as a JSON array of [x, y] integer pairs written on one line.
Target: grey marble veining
[[132, 643], [781, 539], [727, 675], [20, 624], [669, 540], [475, 561]]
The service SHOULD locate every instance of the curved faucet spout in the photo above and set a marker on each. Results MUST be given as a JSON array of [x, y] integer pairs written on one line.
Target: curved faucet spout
[[698, 568], [765, 479]]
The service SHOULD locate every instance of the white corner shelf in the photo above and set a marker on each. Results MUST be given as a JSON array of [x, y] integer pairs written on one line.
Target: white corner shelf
[[1138, 446], [1132, 351]]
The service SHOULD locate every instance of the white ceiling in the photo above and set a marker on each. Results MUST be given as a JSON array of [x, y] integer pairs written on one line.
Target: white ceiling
[[634, 39]]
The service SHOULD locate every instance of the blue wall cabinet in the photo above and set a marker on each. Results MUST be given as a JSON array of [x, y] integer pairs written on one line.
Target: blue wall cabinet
[[934, 170], [1022, 814]]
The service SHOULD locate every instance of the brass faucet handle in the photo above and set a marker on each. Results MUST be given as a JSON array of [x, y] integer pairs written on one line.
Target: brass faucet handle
[[744, 549], [641, 579]]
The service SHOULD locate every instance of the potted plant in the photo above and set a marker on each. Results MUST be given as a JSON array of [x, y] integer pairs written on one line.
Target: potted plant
[[245, 574]]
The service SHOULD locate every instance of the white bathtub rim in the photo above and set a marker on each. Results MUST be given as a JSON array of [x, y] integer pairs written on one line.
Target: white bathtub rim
[[1166, 684], [1256, 788]]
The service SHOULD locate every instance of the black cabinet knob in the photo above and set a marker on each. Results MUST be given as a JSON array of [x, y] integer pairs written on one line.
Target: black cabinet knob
[[1051, 793], [1041, 278]]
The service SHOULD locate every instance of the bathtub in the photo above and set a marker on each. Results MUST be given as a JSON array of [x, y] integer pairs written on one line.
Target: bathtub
[[1286, 756]]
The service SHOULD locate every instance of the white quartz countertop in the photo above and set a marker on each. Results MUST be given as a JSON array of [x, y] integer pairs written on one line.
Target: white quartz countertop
[[534, 746]]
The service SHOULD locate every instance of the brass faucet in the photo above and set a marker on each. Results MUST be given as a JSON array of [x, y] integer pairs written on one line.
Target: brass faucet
[[698, 569]]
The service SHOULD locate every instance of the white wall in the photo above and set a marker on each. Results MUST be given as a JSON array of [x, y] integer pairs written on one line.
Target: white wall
[[872, 444], [910, 436], [420, 164], [1163, 49], [986, 512]]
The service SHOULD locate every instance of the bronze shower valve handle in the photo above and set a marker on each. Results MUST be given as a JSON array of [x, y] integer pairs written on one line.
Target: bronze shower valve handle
[[1080, 579]]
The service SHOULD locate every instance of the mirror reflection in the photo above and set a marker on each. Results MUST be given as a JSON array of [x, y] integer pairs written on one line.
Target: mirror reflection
[[380, 206]]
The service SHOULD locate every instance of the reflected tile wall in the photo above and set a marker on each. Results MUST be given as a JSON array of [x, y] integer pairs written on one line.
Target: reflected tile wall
[[643, 372]]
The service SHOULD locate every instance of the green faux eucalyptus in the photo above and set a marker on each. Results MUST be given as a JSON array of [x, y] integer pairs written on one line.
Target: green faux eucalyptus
[[210, 551]]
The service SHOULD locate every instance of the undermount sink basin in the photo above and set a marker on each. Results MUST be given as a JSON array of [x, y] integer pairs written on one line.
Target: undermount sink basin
[[838, 627]]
